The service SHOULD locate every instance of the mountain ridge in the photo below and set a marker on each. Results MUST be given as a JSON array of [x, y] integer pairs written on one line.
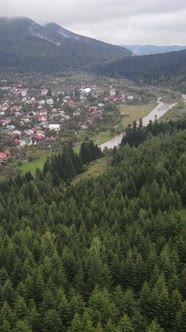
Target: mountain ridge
[[27, 45], [168, 68]]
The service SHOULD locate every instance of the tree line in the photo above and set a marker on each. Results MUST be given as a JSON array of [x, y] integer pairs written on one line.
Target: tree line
[[67, 164], [159, 69]]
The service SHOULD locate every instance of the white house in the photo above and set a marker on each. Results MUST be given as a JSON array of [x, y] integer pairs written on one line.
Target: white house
[[49, 101], [55, 127]]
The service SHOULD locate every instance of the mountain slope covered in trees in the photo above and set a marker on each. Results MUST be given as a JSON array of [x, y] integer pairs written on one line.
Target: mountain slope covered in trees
[[107, 254], [168, 68], [26, 45]]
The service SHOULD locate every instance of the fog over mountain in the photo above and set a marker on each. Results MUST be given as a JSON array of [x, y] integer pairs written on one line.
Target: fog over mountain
[[27, 45], [117, 22]]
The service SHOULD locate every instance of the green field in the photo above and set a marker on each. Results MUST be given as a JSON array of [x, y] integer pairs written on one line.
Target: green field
[[32, 165], [102, 137], [96, 168], [98, 139], [131, 113]]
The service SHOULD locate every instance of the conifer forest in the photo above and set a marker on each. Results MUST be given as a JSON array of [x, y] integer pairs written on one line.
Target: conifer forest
[[107, 254]]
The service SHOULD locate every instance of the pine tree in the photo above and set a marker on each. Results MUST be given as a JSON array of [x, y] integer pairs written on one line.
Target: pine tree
[[22, 326], [154, 327], [125, 324]]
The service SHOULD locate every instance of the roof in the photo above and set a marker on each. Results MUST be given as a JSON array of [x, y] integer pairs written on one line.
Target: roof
[[37, 137], [4, 155], [50, 139], [87, 90]]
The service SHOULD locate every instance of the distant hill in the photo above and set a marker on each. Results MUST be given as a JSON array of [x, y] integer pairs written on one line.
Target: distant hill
[[153, 49], [169, 68], [26, 45]]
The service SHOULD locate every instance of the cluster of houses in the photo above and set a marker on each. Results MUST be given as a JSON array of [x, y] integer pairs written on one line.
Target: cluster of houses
[[38, 116]]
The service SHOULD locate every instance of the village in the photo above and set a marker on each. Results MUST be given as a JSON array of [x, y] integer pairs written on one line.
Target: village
[[47, 112]]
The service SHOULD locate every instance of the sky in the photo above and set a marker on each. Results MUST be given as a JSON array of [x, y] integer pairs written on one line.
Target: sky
[[157, 22]]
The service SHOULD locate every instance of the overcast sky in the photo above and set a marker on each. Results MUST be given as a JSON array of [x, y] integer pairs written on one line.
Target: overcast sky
[[160, 22]]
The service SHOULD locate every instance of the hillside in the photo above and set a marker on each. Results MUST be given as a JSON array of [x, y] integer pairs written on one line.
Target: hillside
[[113, 50], [97, 255], [153, 49], [26, 45], [168, 68]]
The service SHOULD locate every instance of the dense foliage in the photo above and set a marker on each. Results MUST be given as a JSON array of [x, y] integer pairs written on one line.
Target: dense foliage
[[150, 69], [64, 166], [107, 254], [137, 134]]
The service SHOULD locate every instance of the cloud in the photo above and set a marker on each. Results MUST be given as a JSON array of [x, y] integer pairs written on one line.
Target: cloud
[[115, 21]]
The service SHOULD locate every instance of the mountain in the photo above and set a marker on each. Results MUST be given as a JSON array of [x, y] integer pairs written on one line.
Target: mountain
[[112, 50], [168, 68], [53, 27], [26, 45], [153, 49]]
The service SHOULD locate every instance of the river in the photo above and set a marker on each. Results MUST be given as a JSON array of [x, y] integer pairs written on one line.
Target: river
[[155, 114]]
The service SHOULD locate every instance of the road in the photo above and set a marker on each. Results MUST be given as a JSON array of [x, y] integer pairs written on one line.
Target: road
[[155, 114]]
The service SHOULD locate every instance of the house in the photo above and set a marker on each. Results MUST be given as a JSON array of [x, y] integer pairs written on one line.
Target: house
[[112, 92], [84, 92], [50, 101], [37, 138], [91, 119], [28, 132], [25, 119], [71, 102], [15, 108], [54, 110], [84, 127], [17, 141], [22, 92], [25, 141], [16, 132], [44, 92], [11, 127], [92, 108], [55, 127], [42, 117], [40, 132], [130, 98], [101, 105], [50, 139], [76, 113], [66, 99], [5, 121], [5, 106], [41, 102], [4, 156]]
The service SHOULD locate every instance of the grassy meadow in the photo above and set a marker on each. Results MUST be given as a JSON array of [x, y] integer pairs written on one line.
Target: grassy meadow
[[130, 113]]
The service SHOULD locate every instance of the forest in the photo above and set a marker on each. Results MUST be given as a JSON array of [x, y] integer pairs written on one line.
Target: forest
[[107, 254], [167, 69]]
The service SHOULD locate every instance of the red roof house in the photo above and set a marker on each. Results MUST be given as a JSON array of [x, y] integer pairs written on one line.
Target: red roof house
[[4, 155]]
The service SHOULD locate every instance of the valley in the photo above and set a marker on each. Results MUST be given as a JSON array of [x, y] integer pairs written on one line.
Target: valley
[[39, 114], [92, 175]]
